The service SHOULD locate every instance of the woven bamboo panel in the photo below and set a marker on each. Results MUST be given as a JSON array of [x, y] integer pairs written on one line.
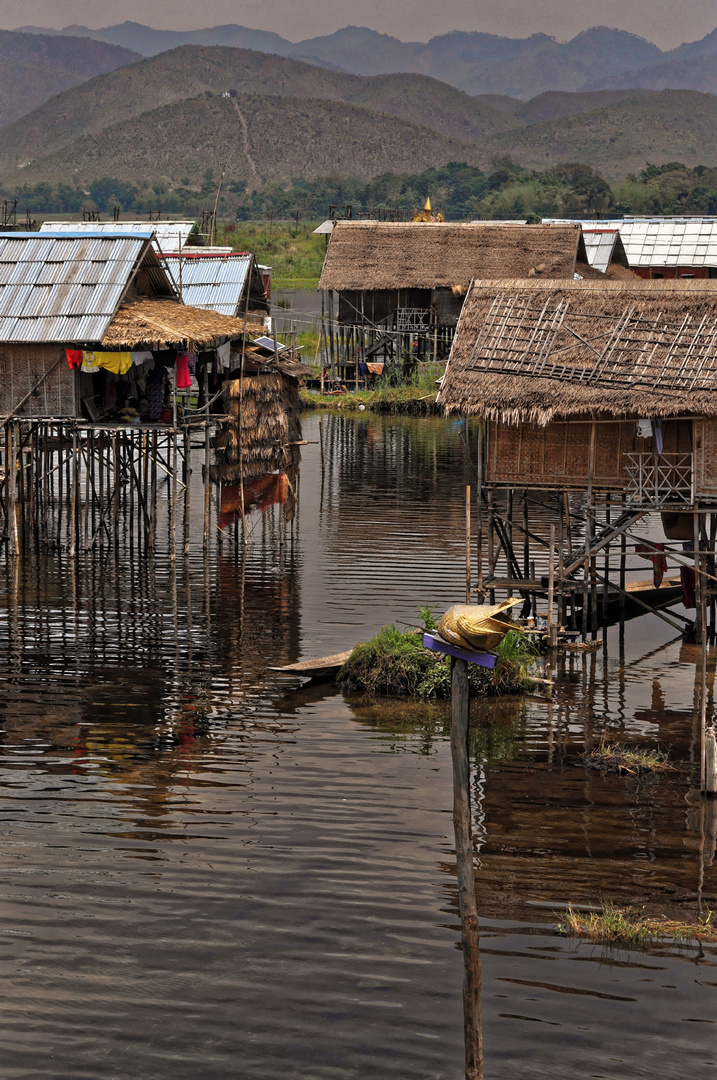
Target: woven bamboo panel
[[559, 454], [706, 458], [21, 370]]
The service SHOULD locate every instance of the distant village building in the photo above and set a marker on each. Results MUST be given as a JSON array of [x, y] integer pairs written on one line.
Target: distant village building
[[401, 286], [661, 247]]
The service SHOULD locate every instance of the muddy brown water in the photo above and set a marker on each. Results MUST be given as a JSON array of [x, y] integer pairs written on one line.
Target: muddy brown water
[[210, 871]]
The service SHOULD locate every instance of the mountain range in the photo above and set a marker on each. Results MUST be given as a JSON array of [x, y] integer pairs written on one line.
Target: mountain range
[[597, 59], [179, 117], [170, 118], [33, 66]]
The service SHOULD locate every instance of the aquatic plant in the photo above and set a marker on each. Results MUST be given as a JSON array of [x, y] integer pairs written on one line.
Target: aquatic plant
[[516, 654], [632, 927], [627, 760], [414, 394], [396, 664]]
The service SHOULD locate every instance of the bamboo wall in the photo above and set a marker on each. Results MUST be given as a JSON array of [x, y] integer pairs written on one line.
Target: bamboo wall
[[705, 458], [559, 455], [21, 370]]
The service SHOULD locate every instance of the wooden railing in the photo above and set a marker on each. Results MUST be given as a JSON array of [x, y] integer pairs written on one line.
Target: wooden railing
[[655, 479]]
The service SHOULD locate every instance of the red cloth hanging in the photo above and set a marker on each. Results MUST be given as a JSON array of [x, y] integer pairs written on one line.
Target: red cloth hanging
[[183, 377], [74, 358]]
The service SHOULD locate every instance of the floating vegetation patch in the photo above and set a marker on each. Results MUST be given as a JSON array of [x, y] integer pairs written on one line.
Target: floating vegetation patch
[[395, 663], [632, 927], [627, 760]]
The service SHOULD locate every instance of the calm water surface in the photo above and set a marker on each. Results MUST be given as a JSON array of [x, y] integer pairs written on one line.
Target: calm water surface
[[210, 872]]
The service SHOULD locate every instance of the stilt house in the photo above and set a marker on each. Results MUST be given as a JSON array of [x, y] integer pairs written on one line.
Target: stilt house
[[608, 389], [562, 373], [64, 296], [401, 286]]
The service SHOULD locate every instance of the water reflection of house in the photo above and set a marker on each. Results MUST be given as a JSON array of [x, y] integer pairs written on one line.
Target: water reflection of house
[[401, 286], [561, 373], [257, 451]]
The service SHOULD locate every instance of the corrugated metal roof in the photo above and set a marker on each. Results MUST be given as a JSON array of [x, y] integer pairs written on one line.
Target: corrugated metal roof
[[600, 245], [666, 241], [213, 282], [170, 235], [57, 288]]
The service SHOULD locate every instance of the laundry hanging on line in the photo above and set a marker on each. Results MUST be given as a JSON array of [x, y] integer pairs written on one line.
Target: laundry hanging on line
[[90, 361]]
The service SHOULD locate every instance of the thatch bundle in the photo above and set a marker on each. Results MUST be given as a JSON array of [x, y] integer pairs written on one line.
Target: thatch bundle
[[162, 324], [366, 256], [262, 429], [534, 351]]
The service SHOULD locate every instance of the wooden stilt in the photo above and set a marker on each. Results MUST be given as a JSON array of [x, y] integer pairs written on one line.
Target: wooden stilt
[[468, 908], [468, 543]]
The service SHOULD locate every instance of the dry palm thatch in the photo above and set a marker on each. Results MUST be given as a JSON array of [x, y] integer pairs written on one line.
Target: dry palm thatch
[[162, 324], [534, 351], [262, 429], [366, 256]]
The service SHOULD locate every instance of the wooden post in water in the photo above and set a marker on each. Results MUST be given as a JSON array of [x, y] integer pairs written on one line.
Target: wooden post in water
[[468, 908], [479, 509], [552, 626], [468, 543], [698, 578], [75, 483]]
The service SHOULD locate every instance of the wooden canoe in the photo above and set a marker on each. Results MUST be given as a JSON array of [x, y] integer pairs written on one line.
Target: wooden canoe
[[325, 667]]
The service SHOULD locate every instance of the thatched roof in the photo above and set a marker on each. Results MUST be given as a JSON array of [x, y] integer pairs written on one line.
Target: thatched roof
[[161, 324], [531, 351], [381, 255]]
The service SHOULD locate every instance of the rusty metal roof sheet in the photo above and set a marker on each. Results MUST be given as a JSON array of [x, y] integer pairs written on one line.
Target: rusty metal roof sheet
[[67, 288]]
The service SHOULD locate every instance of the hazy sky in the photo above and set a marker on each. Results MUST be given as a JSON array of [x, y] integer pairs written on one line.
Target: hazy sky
[[666, 22]]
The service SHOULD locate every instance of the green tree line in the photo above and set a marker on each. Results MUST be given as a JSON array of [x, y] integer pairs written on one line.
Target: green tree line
[[458, 191]]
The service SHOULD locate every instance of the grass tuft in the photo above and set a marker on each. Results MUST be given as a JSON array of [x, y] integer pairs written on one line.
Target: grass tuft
[[632, 927], [627, 760]]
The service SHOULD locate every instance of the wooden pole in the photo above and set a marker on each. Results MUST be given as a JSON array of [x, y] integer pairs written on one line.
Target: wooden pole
[[491, 543], [187, 470], [479, 508], [207, 490], [703, 701], [468, 908], [75, 482], [698, 579], [552, 628], [709, 785], [468, 543]]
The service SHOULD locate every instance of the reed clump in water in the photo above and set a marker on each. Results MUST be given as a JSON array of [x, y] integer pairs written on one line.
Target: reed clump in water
[[395, 664], [632, 927], [415, 394], [627, 760]]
